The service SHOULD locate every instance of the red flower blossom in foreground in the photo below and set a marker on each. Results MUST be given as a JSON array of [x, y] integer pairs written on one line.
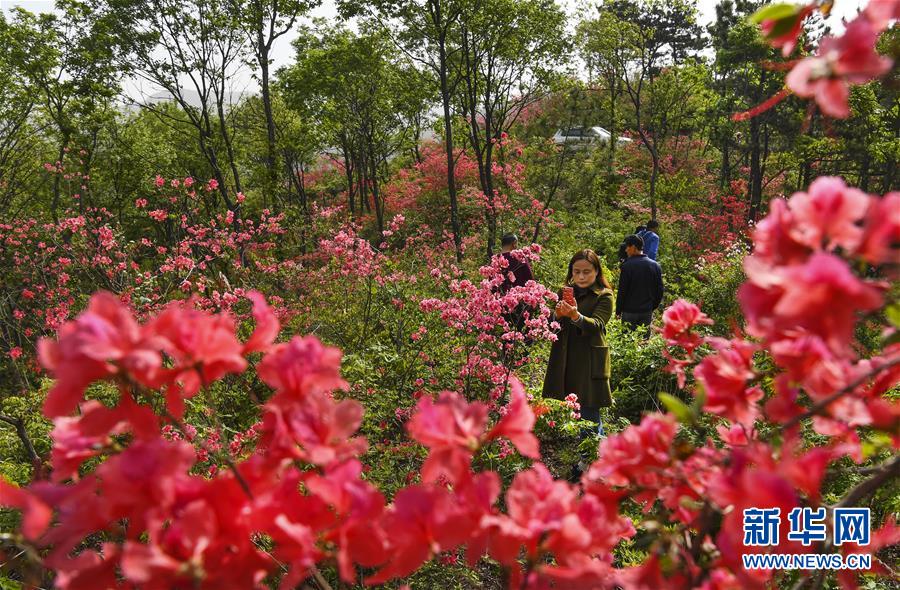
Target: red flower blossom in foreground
[[203, 347], [821, 296], [881, 12], [787, 39], [678, 321], [724, 376], [827, 215], [634, 455], [452, 429], [840, 62], [105, 340], [267, 325], [36, 514], [517, 423], [302, 366]]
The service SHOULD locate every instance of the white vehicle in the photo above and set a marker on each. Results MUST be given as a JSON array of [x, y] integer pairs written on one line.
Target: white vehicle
[[583, 136]]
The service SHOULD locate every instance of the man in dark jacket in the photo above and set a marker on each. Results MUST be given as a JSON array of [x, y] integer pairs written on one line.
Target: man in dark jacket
[[521, 274], [520, 269], [640, 285]]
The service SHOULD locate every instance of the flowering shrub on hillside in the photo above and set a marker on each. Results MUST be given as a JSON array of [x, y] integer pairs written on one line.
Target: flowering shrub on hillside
[[298, 500]]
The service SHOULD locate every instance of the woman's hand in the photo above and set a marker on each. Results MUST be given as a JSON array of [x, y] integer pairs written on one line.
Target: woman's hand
[[565, 310]]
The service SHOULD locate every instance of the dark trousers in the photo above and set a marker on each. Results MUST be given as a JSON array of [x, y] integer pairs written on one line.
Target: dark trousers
[[642, 320]]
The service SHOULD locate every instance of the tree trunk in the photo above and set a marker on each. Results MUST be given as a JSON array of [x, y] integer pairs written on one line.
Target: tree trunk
[[448, 136], [57, 178], [229, 149], [376, 197], [613, 93], [755, 171], [864, 172], [271, 153]]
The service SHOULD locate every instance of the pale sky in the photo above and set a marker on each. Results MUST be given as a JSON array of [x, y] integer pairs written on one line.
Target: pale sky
[[283, 52]]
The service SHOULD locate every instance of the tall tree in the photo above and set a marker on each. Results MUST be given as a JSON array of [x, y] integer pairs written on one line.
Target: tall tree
[[263, 22], [507, 48], [604, 43], [189, 49], [351, 85], [428, 32], [664, 33], [67, 58], [18, 160], [742, 83]]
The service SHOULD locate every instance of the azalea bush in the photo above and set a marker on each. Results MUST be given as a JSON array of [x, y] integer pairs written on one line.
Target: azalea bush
[[190, 439], [295, 499]]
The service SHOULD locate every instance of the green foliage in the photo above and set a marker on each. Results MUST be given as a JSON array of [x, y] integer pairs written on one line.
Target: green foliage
[[638, 375]]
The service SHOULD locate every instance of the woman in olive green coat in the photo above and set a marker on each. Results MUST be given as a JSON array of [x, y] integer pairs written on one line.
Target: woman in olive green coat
[[579, 359]]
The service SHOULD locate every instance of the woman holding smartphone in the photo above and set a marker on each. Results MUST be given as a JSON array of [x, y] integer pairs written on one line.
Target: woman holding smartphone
[[579, 359]]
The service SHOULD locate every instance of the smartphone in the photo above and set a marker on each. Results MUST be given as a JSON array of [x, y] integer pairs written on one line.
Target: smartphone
[[569, 295]]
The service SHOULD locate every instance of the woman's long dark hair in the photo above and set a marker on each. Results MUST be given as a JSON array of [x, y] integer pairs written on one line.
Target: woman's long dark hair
[[590, 256]]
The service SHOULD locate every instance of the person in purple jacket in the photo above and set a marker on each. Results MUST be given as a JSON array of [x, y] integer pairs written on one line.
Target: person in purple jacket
[[518, 273], [520, 269]]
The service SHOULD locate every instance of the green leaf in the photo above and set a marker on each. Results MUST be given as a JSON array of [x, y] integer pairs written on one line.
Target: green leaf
[[699, 400], [781, 27], [893, 314], [677, 407], [775, 12]]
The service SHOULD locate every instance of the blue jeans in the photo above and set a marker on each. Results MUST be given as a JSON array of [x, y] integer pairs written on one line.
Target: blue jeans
[[592, 414]]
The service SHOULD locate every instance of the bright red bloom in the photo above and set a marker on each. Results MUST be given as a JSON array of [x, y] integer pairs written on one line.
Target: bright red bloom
[[90, 570], [635, 455], [678, 321], [881, 12], [422, 523], [316, 428], [36, 514], [804, 469], [358, 506], [267, 325], [828, 215], [541, 514], [302, 366], [840, 62], [79, 438], [788, 39], [774, 240], [882, 230], [452, 429], [650, 576], [203, 347], [748, 485], [822, 296], [724, 376], [101, 342], [517, 422], [145, 474], [205, 541]]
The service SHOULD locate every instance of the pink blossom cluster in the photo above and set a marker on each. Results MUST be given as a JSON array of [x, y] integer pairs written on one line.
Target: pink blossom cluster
[[302, 486], [486, 315], [571, 402], [839, 62], [802, 301]]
